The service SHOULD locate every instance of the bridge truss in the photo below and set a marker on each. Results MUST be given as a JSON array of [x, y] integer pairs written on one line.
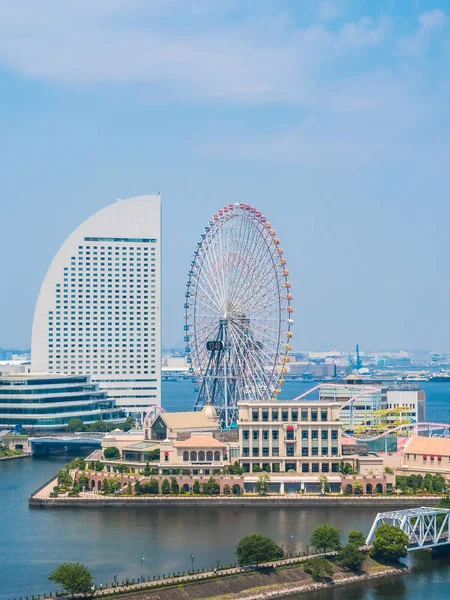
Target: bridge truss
[[425, 527]]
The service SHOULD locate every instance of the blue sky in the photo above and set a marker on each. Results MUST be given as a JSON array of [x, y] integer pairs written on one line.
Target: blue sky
[[331, 117]]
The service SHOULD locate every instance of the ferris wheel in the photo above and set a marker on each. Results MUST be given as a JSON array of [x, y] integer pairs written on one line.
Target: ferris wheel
[[238, 312]]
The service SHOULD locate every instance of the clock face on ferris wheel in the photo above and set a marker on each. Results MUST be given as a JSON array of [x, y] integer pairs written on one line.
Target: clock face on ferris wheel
[[238, 312]]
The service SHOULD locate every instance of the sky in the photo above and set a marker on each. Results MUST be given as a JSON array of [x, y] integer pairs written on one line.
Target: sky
[[331, 117]]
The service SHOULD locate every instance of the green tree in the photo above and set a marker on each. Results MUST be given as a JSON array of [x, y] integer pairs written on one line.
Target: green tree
[[196, 487], [211, 487], [129, 489], [83, 480], [138, 488], [153, 486], [99, 465], [350, 557], [235, 488], [75, 425], [174, 487], [389, 470], [358, 488], [153, 455], [64, 478], [129, 424], [110, 485], [111, 453], [73, 578], [318, 568], [357, 538], [389, 544], [345, 468], [256, 548], [99, 426], [165, 488], [324, 484], [122, 469], [326, 538], [226, 490], [256, 468], [147, 470], [439, 484], [77, 463], [262, 484]]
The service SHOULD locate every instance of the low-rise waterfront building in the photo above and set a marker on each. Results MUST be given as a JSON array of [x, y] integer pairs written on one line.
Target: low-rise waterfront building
[[302, 437], [422, 455], [49, 402]]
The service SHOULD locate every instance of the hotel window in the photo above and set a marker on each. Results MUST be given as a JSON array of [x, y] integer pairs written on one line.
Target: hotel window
[[334, 434], [304, 414], [255, 452], [325, 468], [324, 434], [295, 415], [275, 452], [304, 434], [315, 467], [305, 467], [245, 434], [255, 415], [284, 415], [324, 415], [265, 415], [245, 452], [274, 434], [290, 450], [265, 452], [265, 434], [290, 433], [305, 452], [315, 451], [314, 434], [255, 434], [274, 415], [314, 415]]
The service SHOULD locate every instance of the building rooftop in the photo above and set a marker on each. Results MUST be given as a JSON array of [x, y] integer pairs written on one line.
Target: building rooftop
[[202, 441], [428, 445], [204, 419]]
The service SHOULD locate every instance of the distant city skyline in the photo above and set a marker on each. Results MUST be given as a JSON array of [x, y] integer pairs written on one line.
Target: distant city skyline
[[331, 117]]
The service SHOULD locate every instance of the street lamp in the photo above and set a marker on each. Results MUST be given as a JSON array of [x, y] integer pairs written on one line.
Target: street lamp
[[192, 561], [290, 545], [218, 562], [115, 579], [142, 562]]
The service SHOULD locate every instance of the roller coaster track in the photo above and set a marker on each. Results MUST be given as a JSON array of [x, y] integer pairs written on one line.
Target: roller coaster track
[[418, 426]]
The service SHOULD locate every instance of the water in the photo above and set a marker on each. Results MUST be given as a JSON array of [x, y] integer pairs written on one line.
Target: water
[[113, 541]]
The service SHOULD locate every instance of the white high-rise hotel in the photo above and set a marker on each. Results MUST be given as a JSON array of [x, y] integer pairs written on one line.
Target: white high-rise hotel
[[98, 311]]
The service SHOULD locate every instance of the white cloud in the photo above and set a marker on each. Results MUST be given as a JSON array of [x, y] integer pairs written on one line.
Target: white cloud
[[174, 51], [433, 18]]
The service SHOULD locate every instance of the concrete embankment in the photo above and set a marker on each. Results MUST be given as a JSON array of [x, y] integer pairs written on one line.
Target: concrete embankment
[[261, 585], [16, 456], [42, 500]]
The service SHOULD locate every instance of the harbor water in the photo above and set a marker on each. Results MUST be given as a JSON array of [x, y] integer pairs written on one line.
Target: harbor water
[[118, 541]]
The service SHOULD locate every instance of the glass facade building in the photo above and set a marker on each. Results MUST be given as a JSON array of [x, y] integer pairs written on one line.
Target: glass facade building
[[49, 402], [98, 311]]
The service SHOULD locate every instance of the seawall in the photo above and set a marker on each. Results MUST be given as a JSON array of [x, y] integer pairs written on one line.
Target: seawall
[[98, 501]]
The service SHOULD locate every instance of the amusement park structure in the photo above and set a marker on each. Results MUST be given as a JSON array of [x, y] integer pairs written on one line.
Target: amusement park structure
[[367, 414], [238, 312]]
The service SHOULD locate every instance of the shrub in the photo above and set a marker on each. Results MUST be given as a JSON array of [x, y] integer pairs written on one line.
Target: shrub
[[174, 487], [165, 488], [64, 478], [211, 487], [350, 557], [111, 453], [357, 538], [196, 487], [226, 490], [318, 568]]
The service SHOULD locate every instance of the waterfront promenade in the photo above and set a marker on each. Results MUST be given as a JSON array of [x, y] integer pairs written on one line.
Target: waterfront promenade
[[42, 499]]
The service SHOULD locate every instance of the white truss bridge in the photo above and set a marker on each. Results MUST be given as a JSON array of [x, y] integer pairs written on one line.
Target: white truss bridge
[[425, 527]]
